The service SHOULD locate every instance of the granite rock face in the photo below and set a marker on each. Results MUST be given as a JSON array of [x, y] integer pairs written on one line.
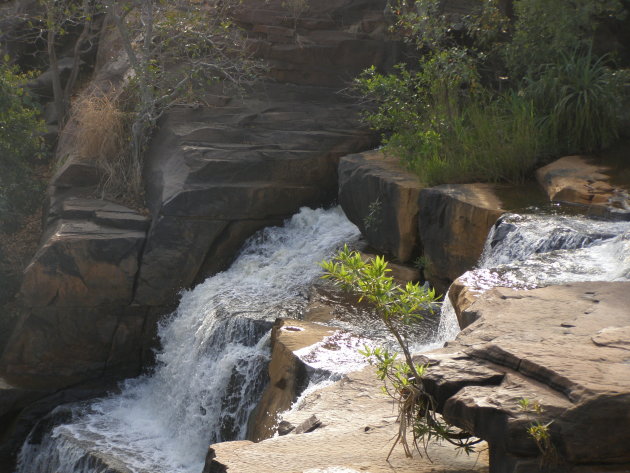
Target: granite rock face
[[381, 198], [454, 221], [447, 224], [215, 176], [288, 374], [325, 43], [569, 353]]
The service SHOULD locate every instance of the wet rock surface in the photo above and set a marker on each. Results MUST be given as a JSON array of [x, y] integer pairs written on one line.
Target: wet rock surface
[[453, 225], [288, 374], [561, 346]]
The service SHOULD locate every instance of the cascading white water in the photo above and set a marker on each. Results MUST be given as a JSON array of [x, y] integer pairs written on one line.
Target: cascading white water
[[210, 369], [529, 251]]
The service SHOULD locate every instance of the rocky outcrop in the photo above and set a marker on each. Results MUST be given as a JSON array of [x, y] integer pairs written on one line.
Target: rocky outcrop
[[288, 374], [454, 221], [324, 43], [446, 224], [581, 180], [215, 176], [568, 352], [381, 198], [355, 432]]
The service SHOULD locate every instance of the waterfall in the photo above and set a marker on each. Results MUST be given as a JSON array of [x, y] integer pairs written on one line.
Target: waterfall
[[529, 251], [210, 370]]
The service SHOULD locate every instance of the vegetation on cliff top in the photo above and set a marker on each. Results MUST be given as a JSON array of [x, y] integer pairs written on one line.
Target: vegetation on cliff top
[[489, 97], [21, 145]]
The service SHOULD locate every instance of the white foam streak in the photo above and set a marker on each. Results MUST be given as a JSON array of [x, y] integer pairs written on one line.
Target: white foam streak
[[211, 369]]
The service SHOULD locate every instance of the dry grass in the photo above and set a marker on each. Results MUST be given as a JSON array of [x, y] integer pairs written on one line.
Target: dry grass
[[103, 131]]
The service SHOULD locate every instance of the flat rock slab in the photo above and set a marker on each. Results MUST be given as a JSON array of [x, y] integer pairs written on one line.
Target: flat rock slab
[[565, 346], [358, 425]]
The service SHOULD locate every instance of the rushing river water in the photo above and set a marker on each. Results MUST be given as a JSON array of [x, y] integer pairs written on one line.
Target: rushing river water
[[212, 367]]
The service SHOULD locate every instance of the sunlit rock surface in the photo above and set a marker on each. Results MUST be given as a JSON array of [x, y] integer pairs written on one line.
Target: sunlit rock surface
[[564, 346], [358, 424]]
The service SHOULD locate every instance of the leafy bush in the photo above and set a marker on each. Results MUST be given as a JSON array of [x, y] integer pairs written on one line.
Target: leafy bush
[[446, 135], [470, 111], [21, 145], [544, 31]]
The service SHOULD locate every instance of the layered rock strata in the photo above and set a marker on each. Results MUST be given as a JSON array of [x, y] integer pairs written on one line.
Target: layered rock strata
[[446, 225], [215, 174], [569, 353]]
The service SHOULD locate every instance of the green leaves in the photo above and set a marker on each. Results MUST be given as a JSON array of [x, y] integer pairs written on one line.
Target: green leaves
[[370, 280], [21, 144]]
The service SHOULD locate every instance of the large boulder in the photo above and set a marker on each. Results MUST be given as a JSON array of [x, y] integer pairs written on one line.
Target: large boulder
[[584, 181], [562, 346], [77, 321], [215, 176], [381, 198], [454, 221], [288, 374]]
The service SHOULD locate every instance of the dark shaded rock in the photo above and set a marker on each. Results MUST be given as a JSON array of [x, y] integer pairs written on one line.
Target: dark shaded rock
[[454, 221], [217, 175], [328, 43], [25, 406], [59, 346], [83, 264], [562, 346], [285, 427], [309, 425], [76, 173], [381, 198]]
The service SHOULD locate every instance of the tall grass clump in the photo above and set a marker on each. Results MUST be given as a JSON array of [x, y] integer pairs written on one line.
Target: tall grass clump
[[103, 131], [579, 100], [487, 139]]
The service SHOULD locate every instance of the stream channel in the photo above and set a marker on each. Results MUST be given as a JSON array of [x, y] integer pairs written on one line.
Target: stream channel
[[211, 369]]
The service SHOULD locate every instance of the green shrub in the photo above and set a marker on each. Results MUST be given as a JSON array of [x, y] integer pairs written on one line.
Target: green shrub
[[545, 30], [20, 145], [397, 306], [580, 100]]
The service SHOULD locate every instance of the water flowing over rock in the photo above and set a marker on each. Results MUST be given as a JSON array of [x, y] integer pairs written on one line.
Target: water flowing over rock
[[552, 334], [529, 251], [210, 371], [358, 424]]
